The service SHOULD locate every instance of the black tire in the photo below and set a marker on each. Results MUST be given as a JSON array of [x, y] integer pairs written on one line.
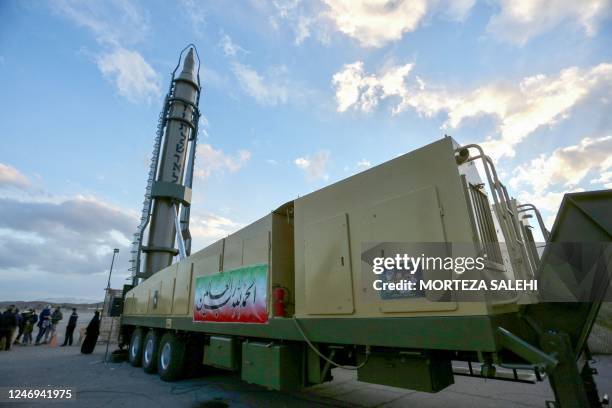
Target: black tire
[[149, 352], [135, 350], [171, 357]]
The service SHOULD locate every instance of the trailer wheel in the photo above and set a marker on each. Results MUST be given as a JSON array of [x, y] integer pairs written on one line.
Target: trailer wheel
[[149, 352], [135, 354], [171, 357]]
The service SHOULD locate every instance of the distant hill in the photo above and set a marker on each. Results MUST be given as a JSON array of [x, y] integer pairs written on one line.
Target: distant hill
[[74, 300], [64, 303]]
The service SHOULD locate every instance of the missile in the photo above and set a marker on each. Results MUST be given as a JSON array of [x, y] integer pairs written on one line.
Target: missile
[[168, 190]]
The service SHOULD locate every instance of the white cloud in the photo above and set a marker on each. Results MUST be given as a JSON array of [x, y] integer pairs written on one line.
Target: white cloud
[[53, 246], [363, 164], [537, 101], [360, 166], [375, 23], [544, 180], [567, 166], [269, 89], [520, 20], [58, 245], [25, 237], [10, 176], [285, 8], [315, 166], [195, 13], [520, 109], [135, 79], [456, 9], [210, 161], [208, 228], [114, 24], [230, 48], [547, 203], [300, 16], [356, 89], [604, 178], [302, 29], [62, 237]]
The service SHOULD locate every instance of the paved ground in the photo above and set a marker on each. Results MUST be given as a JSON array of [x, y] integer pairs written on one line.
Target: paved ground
[[120, 385]]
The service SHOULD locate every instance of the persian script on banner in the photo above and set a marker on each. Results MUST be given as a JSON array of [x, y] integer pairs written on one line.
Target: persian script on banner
[[238, 295]]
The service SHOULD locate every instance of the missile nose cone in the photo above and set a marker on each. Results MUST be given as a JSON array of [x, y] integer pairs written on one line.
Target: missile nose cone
[[189, 63], [189, 69]]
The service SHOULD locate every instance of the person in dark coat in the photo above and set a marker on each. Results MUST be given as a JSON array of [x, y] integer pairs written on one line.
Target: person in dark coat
[[19, 326], [29, 327], [7, 326], [91, 334], [22, 319], [44, 321], [72, 321], [4, 332], [56, 316]]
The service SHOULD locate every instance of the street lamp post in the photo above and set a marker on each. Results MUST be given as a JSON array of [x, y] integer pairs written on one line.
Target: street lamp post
[[108, 289], [115, 252]]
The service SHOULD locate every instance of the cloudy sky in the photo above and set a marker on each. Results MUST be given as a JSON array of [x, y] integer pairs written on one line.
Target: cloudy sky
[[297, 95]]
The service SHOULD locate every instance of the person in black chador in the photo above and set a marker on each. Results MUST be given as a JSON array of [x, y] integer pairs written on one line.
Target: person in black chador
[[8, 323], [91, 334], [70, 328]]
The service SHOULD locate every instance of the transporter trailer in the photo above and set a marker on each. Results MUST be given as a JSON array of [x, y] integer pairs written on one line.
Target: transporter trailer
[[287, 298]]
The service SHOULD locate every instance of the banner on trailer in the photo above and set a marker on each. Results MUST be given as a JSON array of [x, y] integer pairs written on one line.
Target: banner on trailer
[[238, 295]]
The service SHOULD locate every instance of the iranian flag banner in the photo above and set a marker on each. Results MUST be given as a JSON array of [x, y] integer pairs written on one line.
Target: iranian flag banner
[[238, 295]]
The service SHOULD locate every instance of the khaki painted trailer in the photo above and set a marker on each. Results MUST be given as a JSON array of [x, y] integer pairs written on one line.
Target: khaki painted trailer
[[312, 249]]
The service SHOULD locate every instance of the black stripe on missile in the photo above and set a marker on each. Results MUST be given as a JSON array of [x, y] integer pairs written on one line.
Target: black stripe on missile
[[184, 101], [182, 120]]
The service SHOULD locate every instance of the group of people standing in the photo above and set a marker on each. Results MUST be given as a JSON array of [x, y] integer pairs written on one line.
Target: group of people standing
[[47, 324], [12, 320]]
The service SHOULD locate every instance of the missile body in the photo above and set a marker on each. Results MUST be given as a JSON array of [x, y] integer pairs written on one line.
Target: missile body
[[168, 190]]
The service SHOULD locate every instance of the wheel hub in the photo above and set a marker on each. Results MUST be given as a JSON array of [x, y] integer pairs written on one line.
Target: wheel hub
[[148, 351], [165, 355], [135, 346]]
